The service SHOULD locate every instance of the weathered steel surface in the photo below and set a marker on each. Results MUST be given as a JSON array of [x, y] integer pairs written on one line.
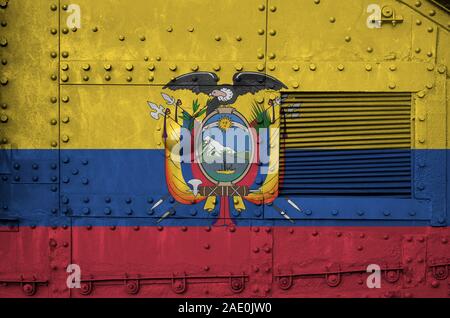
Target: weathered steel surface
[[86, 177]]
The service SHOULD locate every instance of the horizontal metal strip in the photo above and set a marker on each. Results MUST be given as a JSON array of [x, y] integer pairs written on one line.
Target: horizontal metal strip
[[307, 110], [393, 132], [379, 171], [341, 95], [382, 119], [362, 128], [345, 103], [368, 153], [351, 185], [352, 146], [377, 114], [343, 164], [404, 137], [351, 178], [403, 193], [309, 155], [369, 122]]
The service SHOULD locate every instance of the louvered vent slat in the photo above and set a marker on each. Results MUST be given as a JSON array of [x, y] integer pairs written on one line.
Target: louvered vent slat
[[345, 144]]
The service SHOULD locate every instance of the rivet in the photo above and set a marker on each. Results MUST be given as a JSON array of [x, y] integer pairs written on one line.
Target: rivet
[[169, 29], [332, 19], [392, 68], [295, 68], [261, 7], [272, 67], [429, 85], [4, 23], [238, 67], [273, 8], [121, 38], [65, 7], [107, 78], [4, 118], [94, 29], [173, 67], [417, 50], [207, 246], [430, 29], [129, 79], [142, 38], [348, 38], [151, 78], [272, 56], [53, 31], [217, 68], [217, 38], [86, 67], [64, 78], [4, 61], [260, 56], [65, 138], [260, 31], [441, 69], [85, 78], [340, 67], [53, 122], [53, 55], [66, 120], [158, 58], [430, 67], [65, 99], [65, 30], [54, 144], [368, 67], [430, 54], [238, 38], [65, 54], [316, 1], [432, 12], [421, 94], [312, 67], [295, 84], [392, 85], [65, 67], [74, 29], [418, 22], [272, 32], [129, 67], [53, 7], [418, 3], [370, 49], [53, 77], [315, 233], [4, 106]]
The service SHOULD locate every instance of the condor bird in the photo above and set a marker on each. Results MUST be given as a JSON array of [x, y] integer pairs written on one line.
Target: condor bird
[[221, 95]]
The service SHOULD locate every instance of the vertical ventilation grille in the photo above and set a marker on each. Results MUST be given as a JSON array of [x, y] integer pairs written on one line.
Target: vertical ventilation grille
[[345, 144]]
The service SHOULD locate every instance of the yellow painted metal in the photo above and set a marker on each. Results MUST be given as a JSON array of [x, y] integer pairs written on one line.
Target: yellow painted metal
[[210, 203], [239, 204], [124, 53], [172, 30], [28, 72]]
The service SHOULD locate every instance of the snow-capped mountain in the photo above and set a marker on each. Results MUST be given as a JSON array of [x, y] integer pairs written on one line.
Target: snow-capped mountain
[[215, 151]]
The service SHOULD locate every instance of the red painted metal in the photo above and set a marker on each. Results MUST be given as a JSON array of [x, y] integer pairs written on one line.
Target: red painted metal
[[225, 261]]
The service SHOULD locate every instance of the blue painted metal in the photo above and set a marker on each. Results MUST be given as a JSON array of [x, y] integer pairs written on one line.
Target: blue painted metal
[[125, 184]]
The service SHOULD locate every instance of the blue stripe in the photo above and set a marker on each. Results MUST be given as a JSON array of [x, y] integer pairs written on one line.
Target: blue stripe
[[119, 187]]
